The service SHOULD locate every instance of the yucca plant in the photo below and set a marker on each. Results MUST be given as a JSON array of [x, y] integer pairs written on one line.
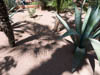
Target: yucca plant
[[84, 32]]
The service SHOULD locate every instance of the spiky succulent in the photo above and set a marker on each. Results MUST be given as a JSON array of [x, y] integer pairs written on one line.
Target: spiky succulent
[[86, 31]]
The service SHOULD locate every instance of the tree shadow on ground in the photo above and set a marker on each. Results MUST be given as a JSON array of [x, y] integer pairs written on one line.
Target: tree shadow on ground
[[89, 60], [34, 29], [92, 61], [44, 37], [60, 62], [7, 64]]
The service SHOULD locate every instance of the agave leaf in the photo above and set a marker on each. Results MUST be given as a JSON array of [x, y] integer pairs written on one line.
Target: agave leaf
[[86, 19], [69, 33], [96, 34], [93, 21], [94, 12], [78, 58], [84, 2], [77, 20], [96, 46], [12, 9], [63, 22], [93, 25]]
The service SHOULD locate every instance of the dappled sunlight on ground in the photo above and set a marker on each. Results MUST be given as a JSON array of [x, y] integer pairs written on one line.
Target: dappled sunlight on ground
[[39, 51]]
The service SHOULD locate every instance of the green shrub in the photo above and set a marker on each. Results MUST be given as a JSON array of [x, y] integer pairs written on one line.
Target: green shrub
[[83, 33], [34, 3], [64, 4], [10, 3]]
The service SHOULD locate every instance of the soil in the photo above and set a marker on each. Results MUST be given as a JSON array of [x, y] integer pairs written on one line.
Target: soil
[[38, 50]]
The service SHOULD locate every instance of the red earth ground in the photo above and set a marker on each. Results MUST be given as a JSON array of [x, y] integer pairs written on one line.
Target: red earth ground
[[38, 50]]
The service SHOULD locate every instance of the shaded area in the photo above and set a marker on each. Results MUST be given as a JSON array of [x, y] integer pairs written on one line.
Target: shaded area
[[4, 47], [91, 61], [39, 37], [34, 29], [7, 64], [47, 40], [30, 38], [36, 47], [60, 62]]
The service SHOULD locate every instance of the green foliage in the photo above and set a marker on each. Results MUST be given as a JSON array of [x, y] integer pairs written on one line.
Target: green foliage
[[93, 2], [85, 32], [96, 46], [78, 57], [34, 3], [43, 3], [52, 3], [10, 3], [61, 5]]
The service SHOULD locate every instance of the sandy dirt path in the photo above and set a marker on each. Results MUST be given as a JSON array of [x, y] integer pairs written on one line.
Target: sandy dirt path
[[38, 50]]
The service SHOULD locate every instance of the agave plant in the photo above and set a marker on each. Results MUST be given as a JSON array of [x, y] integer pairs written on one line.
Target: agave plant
[[31, 11], [60, 6], [86, 31]]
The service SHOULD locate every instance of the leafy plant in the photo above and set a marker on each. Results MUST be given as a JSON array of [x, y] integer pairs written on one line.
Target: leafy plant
[[83, 33], [43, 3], [34, 3], [10, 3], [93, 2], [60, 5]]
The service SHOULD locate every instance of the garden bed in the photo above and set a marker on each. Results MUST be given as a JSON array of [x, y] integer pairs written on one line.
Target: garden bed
[[38, 52]]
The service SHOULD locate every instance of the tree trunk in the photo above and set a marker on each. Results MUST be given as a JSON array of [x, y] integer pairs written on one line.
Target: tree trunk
[[5, 24]]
